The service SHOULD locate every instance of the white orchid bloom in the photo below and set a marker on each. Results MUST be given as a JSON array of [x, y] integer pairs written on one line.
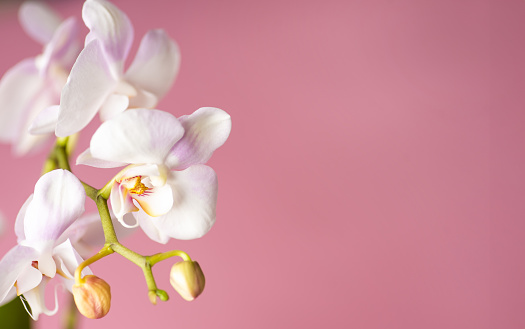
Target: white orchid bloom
[[97, 81], [36, 83], [58, 200], [166, 176]]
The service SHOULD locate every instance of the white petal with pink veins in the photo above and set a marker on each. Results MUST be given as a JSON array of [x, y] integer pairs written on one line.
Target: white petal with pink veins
[[111, 26], [204, 131]]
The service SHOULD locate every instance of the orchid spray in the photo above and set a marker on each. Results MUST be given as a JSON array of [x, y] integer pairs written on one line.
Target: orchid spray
[[164, 187]]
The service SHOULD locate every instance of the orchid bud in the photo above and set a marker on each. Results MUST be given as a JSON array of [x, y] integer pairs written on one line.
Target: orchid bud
[[92, 296], [187, 279]]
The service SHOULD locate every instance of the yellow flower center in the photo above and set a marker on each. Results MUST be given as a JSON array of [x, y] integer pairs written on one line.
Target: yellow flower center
[[137, 186]]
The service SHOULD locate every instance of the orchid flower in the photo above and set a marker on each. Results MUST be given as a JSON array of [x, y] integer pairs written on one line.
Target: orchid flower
[[58, 200], [166, 176], [35, 83], [98, 83]]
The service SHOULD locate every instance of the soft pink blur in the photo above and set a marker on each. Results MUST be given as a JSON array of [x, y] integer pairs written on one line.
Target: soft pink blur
[[374, 177]]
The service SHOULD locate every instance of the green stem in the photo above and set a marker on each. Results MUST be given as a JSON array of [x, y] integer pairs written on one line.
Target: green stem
[[49, 165], [91, 192], [107, 223], [61, 155], [129, 254], [154, 259], [105, 251]]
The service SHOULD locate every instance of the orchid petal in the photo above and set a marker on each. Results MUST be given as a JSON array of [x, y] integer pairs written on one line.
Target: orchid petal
[[46, 263], [194, 201], [36, 300], [157, 201], [19, 223], [147, 225], [205, 130], [9, 297], [136, 136], [28, 279], [143, 99], [25, 142], [12, 265], [110, 25], [157, 174], [89, 84], [68, 259], [63, 48], [86, 158], [114, 105], [57, 202], [121, 203], [156, 63], [17, 89], [76, 233], [45, 122], [39, 21]]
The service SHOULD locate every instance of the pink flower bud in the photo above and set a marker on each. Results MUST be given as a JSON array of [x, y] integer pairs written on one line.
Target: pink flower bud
[[92, 297]]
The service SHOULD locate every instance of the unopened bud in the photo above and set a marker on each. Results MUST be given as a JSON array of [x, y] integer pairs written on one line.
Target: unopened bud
[[92, 296], [187, 279]]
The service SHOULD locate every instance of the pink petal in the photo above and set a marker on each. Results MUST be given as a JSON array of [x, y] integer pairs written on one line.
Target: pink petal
[[89, 84], [156, 64], [204, 131]]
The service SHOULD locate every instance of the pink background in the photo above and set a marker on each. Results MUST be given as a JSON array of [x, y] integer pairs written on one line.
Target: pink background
[[374, 177]]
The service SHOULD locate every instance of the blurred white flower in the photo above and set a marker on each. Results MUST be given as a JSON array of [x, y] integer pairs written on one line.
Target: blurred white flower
[[97, 81], [35, 83]]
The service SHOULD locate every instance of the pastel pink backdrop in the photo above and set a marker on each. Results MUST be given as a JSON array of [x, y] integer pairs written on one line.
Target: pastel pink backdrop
[[374, 175]]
